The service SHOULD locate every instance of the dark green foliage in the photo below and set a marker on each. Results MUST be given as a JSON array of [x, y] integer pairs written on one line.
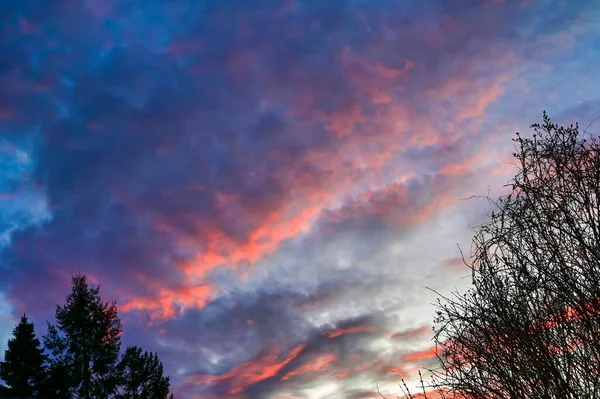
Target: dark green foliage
[[85, 342], [23, 365], [142, 376]]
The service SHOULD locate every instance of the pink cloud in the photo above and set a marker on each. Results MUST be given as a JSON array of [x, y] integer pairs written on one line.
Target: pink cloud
[[249, 373]]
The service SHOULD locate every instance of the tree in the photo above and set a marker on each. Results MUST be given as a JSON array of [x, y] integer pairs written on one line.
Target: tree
[[530, 326], [142, 376], [85, 344], [23, 365], [57, 383]]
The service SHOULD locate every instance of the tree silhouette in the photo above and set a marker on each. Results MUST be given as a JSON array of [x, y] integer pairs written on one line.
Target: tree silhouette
[[142, 376], [23, 365], [84, 363], [85, 343], [57, 383], [530, 326]]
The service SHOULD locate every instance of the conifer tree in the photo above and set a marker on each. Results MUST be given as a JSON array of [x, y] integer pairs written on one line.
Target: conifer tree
[[142, 376], [85, 343], [23, 366]]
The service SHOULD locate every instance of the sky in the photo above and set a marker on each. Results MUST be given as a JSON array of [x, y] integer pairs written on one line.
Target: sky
[[269, 189]]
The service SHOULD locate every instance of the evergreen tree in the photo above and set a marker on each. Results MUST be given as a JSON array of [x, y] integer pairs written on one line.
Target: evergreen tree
[[23, 365], [58, 380], [85, 343], [142, 376]]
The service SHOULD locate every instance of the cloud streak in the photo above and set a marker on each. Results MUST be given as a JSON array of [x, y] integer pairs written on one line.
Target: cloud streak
[[266, 188]]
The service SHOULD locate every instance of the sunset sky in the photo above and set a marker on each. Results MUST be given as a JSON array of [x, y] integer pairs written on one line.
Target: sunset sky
[[268, 187]]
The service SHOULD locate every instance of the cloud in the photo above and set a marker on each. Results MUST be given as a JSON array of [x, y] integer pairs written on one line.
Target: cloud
[[267, 339], [22, 203], [267, 188], [7, 322]]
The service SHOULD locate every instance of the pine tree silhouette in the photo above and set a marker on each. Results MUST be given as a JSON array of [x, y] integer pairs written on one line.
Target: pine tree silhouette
[[142, 376], [83, 360], [23, 365], [85, 342]]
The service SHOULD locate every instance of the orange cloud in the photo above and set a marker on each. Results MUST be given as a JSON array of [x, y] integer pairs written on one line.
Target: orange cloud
[[360, 368], [369, 140], [418, 332], [349, 330], [164, 306], [420, 355], [277, 227], [249, 373], [221, 250], [314, 365], [395, 370]]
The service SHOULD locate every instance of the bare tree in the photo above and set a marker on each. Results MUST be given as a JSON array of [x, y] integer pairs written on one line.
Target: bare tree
[[530, 326]]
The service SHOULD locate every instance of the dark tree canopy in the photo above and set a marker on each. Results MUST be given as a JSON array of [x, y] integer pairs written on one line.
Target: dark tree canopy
[[23, 366], [530, 326], [86, 341], [142, 376], [83, 361], [84, 346]]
